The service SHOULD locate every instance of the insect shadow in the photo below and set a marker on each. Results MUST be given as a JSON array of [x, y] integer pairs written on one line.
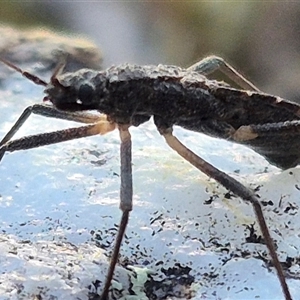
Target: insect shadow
[[129, 95]]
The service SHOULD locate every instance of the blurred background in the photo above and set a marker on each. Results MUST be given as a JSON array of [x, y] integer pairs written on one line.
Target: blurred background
[[261, 39]]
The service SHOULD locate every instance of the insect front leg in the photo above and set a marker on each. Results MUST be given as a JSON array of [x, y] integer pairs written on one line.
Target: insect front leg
[[101, 127], [237, 188], [211, 64], [125, 201], [38, 140], [52, 112]]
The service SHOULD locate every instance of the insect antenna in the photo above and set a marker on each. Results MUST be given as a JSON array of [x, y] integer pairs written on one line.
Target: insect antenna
[[26, 74]]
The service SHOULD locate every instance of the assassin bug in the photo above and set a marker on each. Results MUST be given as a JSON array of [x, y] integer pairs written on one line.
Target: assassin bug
[[129, 95]]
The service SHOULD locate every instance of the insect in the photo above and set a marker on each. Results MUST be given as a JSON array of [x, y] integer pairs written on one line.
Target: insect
[[129, 95]]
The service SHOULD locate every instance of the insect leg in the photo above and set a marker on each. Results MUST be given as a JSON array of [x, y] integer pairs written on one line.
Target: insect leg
[[50, 111], [237, 188], [34, 141], [211, 64], [125, 201]]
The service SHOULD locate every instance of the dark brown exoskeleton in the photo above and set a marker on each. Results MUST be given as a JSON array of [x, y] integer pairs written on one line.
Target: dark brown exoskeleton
[[129, 95]]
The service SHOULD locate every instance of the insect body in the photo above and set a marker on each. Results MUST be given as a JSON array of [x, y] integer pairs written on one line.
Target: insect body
[[129, 95]]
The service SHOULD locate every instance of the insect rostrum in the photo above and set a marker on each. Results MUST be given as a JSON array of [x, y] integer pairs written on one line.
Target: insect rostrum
[[129, 95]]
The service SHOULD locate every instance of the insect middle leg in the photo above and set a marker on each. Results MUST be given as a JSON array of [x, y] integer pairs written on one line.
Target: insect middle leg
[[52, 112], [125, 201], [237, 188], [211, 64]]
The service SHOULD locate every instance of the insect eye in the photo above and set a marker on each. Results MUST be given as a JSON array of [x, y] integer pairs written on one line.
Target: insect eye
[[85, 93]]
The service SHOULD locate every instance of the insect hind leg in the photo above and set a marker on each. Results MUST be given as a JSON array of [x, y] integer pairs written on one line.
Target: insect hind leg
[[237, 188], [213, 63]]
